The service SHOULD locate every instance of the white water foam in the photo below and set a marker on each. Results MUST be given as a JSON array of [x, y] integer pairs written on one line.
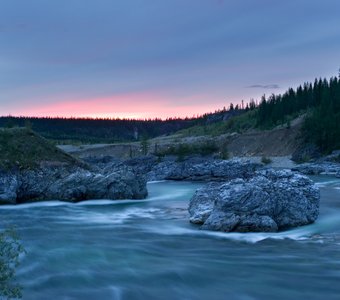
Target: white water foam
[[322, 226], [35, 204], [252, 237], [93, 202], [327, 183], [119, 217], [156, 181]]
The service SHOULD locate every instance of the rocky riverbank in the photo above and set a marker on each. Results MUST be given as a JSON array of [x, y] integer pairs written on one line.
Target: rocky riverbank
[[192, 168], [323, 168], [70, 183], [33, 169]]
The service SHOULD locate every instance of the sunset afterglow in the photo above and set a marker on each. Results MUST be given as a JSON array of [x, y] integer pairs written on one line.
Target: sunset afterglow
[[141, 59]]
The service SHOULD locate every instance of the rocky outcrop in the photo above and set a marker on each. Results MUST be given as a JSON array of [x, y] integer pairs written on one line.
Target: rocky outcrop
[[143, 165], [269, 201], [325, 165], [215, 170], [192, 168], [70, 183], [317, 168], [33, 169]]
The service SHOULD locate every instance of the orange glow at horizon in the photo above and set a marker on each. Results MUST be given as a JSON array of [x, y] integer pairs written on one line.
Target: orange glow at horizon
[[132, 106]]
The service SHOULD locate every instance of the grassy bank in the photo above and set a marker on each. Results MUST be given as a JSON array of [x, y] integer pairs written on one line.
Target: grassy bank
[[24, 149]]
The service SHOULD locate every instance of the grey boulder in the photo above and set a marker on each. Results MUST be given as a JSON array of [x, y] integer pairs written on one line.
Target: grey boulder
[[269, 201]]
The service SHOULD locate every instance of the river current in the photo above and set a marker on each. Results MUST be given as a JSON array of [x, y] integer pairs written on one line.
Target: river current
[[147, 249]]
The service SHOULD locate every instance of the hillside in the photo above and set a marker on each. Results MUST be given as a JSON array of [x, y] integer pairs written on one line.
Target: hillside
[[280, 141], [318, 103], [22, 148], [276, 142]]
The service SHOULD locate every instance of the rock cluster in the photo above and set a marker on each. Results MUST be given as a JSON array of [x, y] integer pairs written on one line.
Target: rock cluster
[[269, 201], [216, 170]]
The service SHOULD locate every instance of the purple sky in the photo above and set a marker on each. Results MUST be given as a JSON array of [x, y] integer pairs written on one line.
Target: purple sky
[[148, 58]]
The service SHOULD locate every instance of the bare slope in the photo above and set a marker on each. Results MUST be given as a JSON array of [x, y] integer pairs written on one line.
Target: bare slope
[[276, 142], [280, 141]]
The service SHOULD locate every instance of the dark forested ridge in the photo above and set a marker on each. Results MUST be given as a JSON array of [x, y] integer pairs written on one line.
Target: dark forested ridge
[[97, 130], [320, 100], [88, 130]]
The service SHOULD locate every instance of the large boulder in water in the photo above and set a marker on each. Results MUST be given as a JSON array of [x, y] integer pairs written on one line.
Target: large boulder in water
[[269, 201]]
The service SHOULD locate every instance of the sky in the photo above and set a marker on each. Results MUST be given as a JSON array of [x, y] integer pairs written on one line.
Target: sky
[[152, 58]]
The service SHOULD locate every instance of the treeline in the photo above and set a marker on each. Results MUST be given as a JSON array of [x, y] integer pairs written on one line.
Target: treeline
[[87, 130], [320, 100]]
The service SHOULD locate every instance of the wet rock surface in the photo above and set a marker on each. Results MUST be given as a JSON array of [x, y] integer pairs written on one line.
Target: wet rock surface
[[269, 201], [70, 184]]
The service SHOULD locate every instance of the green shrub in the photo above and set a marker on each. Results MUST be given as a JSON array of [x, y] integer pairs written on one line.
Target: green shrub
[[224, 154], [10, 250], [266, 160]]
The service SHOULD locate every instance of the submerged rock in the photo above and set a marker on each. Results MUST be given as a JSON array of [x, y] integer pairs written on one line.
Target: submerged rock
[[269, 201]]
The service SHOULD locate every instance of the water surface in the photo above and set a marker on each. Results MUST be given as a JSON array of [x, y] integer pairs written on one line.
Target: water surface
[[147, 249]]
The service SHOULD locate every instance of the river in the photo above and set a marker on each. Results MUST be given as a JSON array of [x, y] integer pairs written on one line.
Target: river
[[147, 249]]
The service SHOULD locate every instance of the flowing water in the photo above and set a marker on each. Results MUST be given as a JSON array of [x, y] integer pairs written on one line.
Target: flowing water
[[148, 250]]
